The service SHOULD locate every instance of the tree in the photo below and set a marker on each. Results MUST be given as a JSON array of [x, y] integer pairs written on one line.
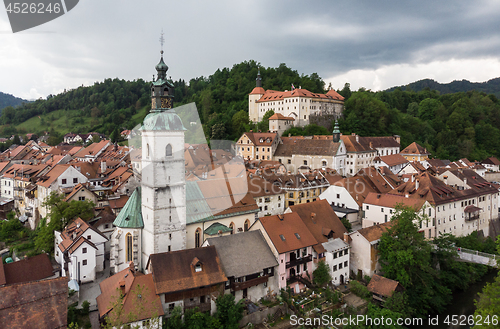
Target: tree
[[62, 212], [228, 312], [240, 123], [405, 256], [321, 274], [489, 300], [264, 124], [347, 224]]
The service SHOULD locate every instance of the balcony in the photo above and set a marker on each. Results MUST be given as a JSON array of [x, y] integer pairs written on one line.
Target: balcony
[[236, 286], [202, 307], [472, 217], [298, 261]]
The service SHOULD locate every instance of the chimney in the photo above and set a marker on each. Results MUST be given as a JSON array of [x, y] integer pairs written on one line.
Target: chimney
[[371, 145], [416, 184], [397, 138], [445, 178], [103, 166], [346, 237], [406, 195], [313, 215], [357, 138]]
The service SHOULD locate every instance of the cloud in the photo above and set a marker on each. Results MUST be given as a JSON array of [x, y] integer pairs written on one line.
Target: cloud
[[474, 70], [360, 39]]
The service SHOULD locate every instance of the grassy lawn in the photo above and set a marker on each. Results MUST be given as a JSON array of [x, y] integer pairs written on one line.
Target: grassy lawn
[[61, 121]]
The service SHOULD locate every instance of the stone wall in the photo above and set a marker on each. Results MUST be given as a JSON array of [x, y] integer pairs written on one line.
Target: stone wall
[[259, 316], [325, 120]]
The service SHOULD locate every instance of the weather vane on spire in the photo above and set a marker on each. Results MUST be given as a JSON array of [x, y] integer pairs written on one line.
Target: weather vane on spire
[[162, 40]]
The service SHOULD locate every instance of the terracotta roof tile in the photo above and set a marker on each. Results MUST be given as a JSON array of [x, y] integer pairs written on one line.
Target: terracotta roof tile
[[28, 269], [374, 232], [173, 272], [383, 286], [40, 304], [283, 231], [140, 301], [414, 148]]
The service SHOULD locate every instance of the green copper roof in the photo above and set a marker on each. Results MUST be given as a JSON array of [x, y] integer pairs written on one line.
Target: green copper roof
[[162, 120], [161, 66], [197, 207], [131, 214], [336, 129], [216, 227]]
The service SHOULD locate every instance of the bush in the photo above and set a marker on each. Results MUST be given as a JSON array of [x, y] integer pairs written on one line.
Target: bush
[[321, 274], [360, 290]]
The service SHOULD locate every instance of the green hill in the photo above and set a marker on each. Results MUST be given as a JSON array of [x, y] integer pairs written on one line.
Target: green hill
[[490, 87], [9, 100]]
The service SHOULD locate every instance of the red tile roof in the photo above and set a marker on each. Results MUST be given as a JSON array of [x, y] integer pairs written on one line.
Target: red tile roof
[[414, 148], [174, 272], [272, 95], [139, 301], [28, 269], [288, 232], [38, 304], [383, 286]]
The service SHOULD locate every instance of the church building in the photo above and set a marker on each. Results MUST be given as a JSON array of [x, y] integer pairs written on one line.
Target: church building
[[154, 218]]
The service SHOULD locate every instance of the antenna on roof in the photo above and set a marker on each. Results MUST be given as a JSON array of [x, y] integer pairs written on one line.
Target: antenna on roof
[[162, 40]]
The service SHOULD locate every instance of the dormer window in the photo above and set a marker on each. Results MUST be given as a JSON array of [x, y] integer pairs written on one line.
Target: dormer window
[[197, 265]]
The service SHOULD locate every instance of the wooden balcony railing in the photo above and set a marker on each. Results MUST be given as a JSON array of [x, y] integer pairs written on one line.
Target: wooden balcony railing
[[298, 261], [236, 286]]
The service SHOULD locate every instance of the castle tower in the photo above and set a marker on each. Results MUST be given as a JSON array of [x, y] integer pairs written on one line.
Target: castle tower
[[163, 184], [253, 97]]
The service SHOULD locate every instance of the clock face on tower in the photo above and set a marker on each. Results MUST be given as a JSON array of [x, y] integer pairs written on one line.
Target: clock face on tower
[[166, 103]]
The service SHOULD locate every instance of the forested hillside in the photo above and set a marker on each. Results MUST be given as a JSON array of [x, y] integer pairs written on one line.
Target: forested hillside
[[450, 125], [116, 104], [490, 87], [9, 100]]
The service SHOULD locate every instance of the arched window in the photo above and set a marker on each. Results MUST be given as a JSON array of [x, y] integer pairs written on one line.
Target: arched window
[[231, 226], [128, 242], [168, 150], [147, 150], [247, 225], [197, 238]]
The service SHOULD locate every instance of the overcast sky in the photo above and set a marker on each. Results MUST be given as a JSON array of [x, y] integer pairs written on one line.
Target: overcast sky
[[371, 44]]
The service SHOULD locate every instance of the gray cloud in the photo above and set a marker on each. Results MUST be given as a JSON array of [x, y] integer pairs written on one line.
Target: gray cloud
[[108, 39]]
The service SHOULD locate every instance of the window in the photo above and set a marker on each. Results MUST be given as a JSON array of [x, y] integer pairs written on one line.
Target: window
[[106, 225], [346, 252], [290, 195], [334, 255], [147, 150], [197, 237], [128, 241], [289, 161], [340, 266], [324, 163], [81, 198], [231, 226], [84, 262], [345, 264], [334, 268], [338, 196], [168, 150], [84, 250], [63, 181], [305, 162], [247, 224]]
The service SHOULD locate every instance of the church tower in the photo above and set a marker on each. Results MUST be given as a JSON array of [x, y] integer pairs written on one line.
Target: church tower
[[253, 97], [163, 184]]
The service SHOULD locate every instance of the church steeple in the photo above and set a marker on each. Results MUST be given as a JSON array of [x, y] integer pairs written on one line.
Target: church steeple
[[336, 132], [258, 82], [162, 90]]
